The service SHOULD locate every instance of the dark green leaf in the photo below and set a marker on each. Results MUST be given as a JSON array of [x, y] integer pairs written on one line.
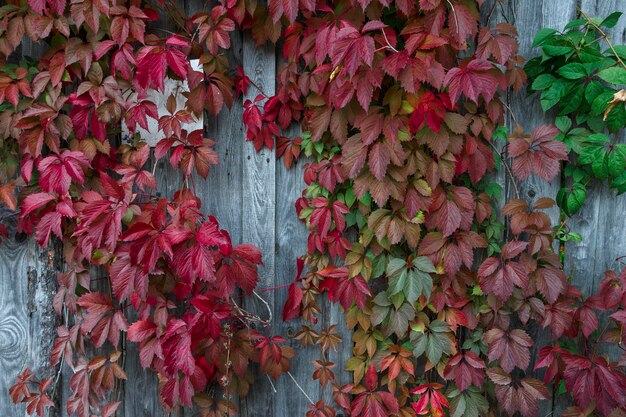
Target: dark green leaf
[[573, 71], [601, 102], [616, 119], [611, 20], [575, 23], [551, 96], [557, 50], [543, 35], [563, 123], [543, 81], [616, 162], [614, 75], [572, 100]]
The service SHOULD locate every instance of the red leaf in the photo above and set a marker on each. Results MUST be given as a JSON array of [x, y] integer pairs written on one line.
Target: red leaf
[[466, 369], [351, 49], [291, 308], [57, 172], [540, 154], [510, 348], [474, 79]]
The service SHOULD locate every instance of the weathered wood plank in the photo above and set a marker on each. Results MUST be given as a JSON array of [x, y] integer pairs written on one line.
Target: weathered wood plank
[[529, 17], [259, 214], [600, 222], [27, 319]]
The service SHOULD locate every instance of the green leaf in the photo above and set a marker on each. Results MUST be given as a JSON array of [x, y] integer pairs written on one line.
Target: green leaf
[[573, 71], [399, 320], [469, 403], [542, 36], [616, 162], [350, 197], [572, 100], [590, 54], [551, 96], [395, 267], [557, 50], [563, 123], [620, 51], [611, 20], [614, 75], [575, 198], [601, 102], [434, 343], [616, 119], [599, 166], [593, 90], [619, 183], [543, 81], [575, 23], [424, 264], [397, 283]]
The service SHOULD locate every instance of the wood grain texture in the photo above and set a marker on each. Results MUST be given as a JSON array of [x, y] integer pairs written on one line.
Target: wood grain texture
[[27, 319], [529, 17], [259, 215]]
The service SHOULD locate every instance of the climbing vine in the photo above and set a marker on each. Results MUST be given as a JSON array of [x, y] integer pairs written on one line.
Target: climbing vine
[[402, 116], [74, 127], [403, 123], [581, 74]]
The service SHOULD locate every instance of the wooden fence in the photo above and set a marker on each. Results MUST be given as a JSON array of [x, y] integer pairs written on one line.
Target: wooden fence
[[253, 197]]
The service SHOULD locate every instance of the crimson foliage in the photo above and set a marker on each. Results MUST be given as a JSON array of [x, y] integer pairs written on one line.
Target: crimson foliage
[[170, 271]]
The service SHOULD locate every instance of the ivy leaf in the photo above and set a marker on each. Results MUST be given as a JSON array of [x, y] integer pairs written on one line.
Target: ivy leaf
[[572, 198], [500, 277], [101, 321], [519, 397], [474, 79], [593, 379], [540, 154], [394, 319], [291, 308], [434, 342], [412, 280], [466, 369], [468, 403], [510, 348], [542, 36], [611, 20], [57, 172], [614, 75], [572, 71], [351, 49]]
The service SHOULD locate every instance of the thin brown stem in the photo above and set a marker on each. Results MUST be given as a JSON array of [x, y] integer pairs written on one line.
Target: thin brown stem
[[605, 36], [508, 170], [387, 40]]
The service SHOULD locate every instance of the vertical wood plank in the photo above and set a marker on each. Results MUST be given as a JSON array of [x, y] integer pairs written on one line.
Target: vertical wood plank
[[27, 319], [600, 222], [529, 16], [140, 393], [259, 213], [291, 244]]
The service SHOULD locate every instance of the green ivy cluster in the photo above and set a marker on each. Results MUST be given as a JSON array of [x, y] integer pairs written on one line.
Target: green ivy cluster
[[580, 75]]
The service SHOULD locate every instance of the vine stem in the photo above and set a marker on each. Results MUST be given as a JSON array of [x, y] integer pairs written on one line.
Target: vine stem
[[387, 40], [258, 88], [300, 388], [456, 21], [605, 36], [508, 170], [60, 370]]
